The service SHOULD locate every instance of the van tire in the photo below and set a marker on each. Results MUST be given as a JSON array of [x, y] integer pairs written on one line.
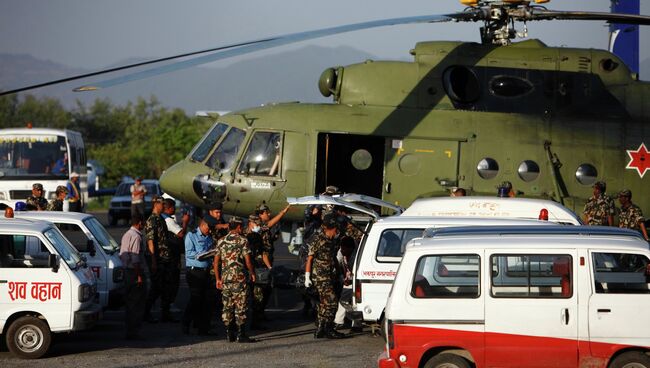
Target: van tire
[[447, 361], [28, 337], [631, 359]]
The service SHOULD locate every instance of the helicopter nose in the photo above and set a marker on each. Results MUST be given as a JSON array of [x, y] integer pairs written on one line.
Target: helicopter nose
[[186, 180], [175, 182]]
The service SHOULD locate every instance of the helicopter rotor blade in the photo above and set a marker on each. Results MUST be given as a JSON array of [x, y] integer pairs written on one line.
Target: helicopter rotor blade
[[544, 14], [227, 51]]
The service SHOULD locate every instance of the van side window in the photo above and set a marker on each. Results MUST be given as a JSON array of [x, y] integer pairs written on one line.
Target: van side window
[[21, 251], [392, 242], [531, 276], [75, 235], [447, 276], [621, 273]]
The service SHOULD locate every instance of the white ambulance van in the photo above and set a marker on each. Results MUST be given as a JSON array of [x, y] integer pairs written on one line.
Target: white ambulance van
[[379, 255], [556, 296], [93, 241], [45, 287]]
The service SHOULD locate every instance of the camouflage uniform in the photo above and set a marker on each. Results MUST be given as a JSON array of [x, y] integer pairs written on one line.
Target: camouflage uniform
[[37, 203], [155, 229], [55, 205], [323, 251], [597, 209], [232, 249], [353, 232], [256, 245], [630, 217]]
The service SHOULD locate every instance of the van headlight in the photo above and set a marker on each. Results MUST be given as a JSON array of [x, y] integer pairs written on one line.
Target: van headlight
[[85, 293], [118, 274]]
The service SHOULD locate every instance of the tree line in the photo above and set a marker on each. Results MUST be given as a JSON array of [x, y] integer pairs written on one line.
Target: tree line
[[141, 138]]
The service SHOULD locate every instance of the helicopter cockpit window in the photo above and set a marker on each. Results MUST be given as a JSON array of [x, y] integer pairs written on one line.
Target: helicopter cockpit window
[[487, 168], [223, 157], [203, 148], [508, 86], [263, 155], [528, 170], [586, 174], [461, 84]]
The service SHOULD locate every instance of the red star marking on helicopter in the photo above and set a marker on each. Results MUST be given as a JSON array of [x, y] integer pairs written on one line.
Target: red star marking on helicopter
[[639, 160]]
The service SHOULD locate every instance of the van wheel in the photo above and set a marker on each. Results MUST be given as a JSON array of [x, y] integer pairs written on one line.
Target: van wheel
[[28, 337], [447, 361], [632, 359]]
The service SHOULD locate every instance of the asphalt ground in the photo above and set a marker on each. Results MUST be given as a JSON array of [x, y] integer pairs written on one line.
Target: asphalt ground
[[287, 342]]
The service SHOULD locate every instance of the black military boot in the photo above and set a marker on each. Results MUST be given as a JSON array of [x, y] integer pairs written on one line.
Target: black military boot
[[331, 333], [320, 330], [241, 335], [230, 332]]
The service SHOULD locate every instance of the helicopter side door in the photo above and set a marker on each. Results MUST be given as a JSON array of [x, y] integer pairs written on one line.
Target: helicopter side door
[[417, 167]]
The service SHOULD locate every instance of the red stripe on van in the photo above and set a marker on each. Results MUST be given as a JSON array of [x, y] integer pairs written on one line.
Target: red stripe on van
[[502, 349]]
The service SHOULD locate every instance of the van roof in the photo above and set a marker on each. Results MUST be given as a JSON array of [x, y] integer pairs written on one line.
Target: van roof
[[52, 215], [491, 207], [23, 225], [537, 237], [459, 221]]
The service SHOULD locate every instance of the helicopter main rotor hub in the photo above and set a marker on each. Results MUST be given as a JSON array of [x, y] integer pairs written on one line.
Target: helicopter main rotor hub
[[499, 18]]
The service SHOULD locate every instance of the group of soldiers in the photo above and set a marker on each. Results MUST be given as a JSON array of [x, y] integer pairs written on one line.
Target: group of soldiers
[[600, 210], [37, 201], [227, 267]]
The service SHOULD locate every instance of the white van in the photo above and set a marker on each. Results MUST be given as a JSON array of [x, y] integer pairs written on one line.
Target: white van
[[92, 240], [556, 296], [380, 253], [44, 287]]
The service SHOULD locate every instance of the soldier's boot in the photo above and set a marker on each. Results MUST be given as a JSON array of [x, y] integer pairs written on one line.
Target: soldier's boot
[[331, 333], [230, 332], [242, 337], [320, 330]]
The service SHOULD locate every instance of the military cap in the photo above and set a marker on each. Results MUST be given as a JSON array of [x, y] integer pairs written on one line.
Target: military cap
[[236, 220], [625, 193], [37, 186], [157, 199], [216, 206], [211, 221], [505, 184], [600, 185], [61, 189], [254, 218], [329, 221], [263, 208], [331, 190]]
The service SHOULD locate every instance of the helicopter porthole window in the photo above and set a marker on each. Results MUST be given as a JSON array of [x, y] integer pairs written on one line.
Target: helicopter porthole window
[[508, 86], [586, 174], [528, 170], [487, 168], [263, 155], [608, 65], [361, 159], [461, 84]]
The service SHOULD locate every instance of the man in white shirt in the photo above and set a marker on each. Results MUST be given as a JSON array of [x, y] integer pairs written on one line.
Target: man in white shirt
[[175, 236], [138, 191]]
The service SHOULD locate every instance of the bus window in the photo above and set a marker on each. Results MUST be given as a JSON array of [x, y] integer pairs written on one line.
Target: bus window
[[30, 156]]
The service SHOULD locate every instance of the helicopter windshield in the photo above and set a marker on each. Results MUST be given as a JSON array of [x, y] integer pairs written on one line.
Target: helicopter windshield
[[223, 157], [263, 155], [203, 148]]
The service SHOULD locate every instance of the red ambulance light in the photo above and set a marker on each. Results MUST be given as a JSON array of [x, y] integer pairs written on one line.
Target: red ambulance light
[[357, 291], [543, 214]]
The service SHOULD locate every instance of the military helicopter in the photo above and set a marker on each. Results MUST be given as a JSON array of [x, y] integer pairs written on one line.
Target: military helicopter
[[550, 120]]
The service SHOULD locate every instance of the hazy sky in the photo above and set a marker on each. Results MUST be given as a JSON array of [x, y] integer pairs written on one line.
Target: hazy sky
[[93, 34]]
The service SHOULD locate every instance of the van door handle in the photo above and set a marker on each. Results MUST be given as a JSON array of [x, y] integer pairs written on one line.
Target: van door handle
[[3, 281], [604, 310], [565, 316]]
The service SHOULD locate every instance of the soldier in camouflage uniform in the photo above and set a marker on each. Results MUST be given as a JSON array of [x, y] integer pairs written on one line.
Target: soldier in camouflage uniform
[[322, 260], [600, 209], [261, 260], [218, 229], [159, 259], [630, 215], [232, 263], [57, 203], [36, 201]]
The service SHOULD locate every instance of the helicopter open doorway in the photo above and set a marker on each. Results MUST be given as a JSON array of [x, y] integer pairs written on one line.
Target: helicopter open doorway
[[353, 163]]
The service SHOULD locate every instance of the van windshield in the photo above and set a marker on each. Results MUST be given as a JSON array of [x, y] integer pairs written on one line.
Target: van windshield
[[63, 247], [32, 156], [102, 236]]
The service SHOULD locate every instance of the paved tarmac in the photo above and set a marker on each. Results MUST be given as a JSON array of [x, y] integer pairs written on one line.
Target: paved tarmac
[[287, 342]]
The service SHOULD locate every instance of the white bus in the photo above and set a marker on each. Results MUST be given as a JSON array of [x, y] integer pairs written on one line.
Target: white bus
[[39, 155]]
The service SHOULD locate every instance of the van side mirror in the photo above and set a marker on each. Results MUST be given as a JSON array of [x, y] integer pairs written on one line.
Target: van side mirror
[[91, 248], [53, 262]]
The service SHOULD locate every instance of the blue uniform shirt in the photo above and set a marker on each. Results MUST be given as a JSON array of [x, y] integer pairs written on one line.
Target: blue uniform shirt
[[196, 243]]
